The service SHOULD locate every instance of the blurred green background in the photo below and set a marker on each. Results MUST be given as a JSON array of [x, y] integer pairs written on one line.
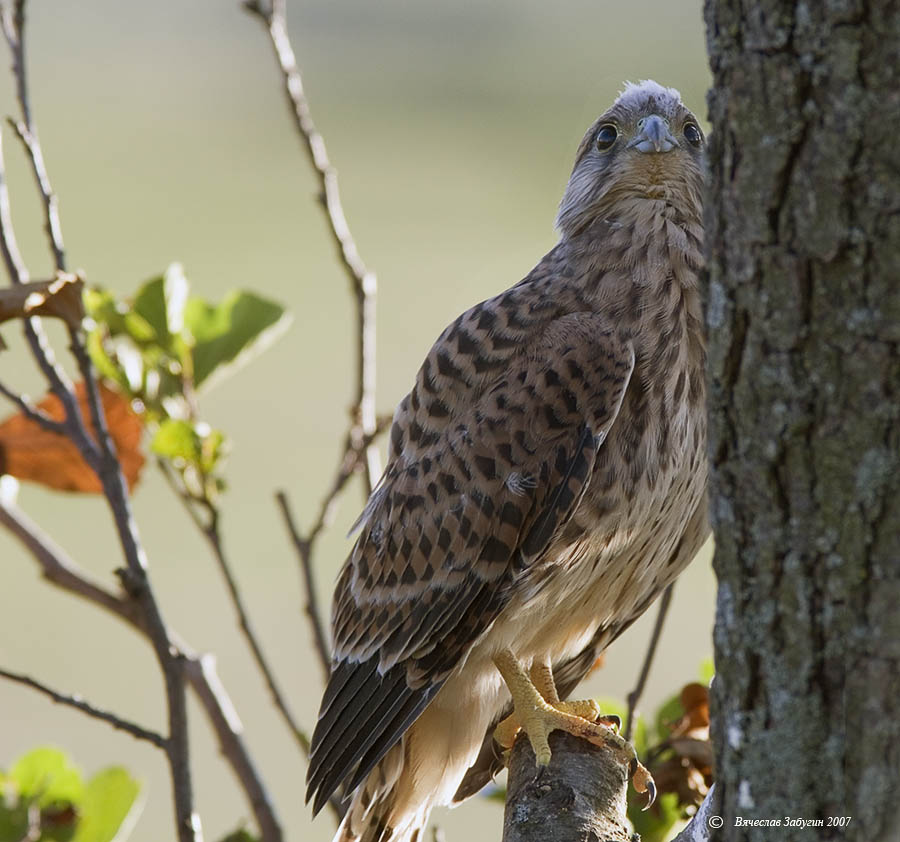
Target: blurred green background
[[453, 126]]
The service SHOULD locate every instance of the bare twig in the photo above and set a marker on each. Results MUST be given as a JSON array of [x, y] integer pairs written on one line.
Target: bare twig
[[101, 456], [304, 552], [211, 531], [13, 22], [136, 731], [201, 672], [305, 545], [61, 571], [27, 134], [12, 257], [34, 334], [635, 695], [363, 282], [215, 540], [29, 410]]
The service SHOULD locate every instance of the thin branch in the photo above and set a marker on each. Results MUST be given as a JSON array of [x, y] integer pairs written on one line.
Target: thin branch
[[12, 257], [304, 552], [351, 458], [30, 411], [136, 731], [215, 540], [34, 334], [635, 695], [28, 136], [58, 569], [201, 672], [362, 280], [13, 22], [212, 533], [102, 458]]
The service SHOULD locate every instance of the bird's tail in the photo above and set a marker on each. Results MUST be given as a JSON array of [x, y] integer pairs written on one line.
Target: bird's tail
[[375, 815]]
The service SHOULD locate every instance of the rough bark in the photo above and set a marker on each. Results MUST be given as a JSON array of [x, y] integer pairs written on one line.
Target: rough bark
[[804, 324], [579, 796]]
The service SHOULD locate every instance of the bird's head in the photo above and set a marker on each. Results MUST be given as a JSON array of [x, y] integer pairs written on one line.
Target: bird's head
[[648, 145]]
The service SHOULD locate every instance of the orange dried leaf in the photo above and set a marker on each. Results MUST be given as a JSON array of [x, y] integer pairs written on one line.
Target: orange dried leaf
[[29, 452], [695, 701]]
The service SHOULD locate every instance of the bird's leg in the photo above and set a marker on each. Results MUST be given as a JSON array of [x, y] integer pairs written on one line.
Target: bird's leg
[[541, 674], [538, 711]]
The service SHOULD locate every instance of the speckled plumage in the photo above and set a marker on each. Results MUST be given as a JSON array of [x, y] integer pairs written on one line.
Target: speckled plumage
[[546, 481]]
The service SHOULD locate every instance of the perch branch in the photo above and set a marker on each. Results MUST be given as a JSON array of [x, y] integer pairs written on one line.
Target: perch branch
[[78, 703], [635, 695], [362, 280], [61, 571], [580, 795]]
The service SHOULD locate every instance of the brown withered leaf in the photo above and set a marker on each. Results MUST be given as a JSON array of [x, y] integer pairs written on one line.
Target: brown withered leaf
[[695, 703], [29, 452], [683, 763], [60, 297]]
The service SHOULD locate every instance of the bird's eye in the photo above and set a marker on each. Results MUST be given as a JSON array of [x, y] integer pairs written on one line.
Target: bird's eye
[[692, 134], [606, 136]]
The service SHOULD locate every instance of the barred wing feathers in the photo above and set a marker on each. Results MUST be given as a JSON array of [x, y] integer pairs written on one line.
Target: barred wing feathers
[[488, 463]]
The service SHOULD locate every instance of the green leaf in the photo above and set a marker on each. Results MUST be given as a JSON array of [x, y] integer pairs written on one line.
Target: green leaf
[[161, 302], [139, 329], [232, 331], [13, 821], [176, 439], [106, 366], [101, 306], [110, 805], [655, 824], [670, 712], [48, 775], [212, 448], [707, 671]]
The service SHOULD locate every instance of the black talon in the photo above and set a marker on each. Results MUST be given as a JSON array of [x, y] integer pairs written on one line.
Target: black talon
[[651, 795], [611, 720]]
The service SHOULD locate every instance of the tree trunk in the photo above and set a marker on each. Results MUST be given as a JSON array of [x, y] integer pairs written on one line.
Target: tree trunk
[[804, 324]]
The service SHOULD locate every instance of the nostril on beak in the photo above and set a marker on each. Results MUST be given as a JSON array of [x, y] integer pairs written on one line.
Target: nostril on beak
[[653, 135], [655, 131]]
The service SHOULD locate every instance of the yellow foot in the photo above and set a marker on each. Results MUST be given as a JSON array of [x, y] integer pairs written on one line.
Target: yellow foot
[[538, 711]]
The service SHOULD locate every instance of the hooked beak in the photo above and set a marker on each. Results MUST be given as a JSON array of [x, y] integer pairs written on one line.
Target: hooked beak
[[653, 136]]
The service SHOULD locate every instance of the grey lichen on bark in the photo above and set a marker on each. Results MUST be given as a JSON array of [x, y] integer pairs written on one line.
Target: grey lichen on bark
[[803, 228], [579, 797]]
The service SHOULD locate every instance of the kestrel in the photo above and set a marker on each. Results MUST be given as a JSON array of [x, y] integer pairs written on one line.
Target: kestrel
[[546, 481]]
